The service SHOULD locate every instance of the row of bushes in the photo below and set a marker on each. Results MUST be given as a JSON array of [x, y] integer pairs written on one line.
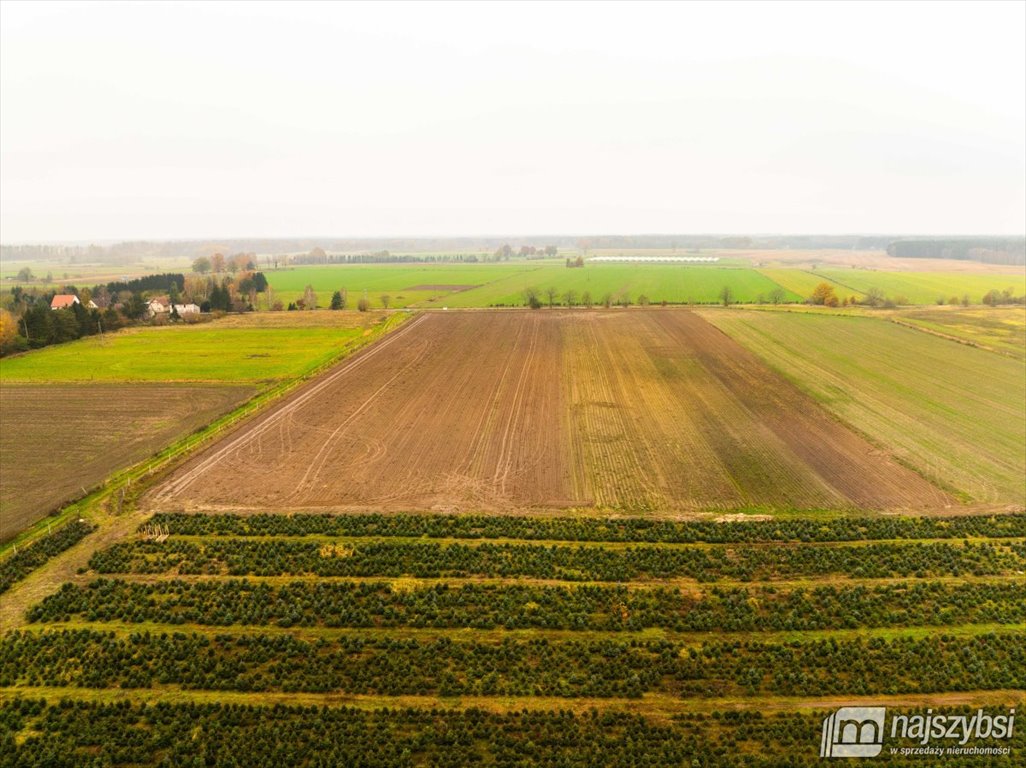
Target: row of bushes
[[539, 667], [520, 606], [636, 529], [279, 557], [213, 735]]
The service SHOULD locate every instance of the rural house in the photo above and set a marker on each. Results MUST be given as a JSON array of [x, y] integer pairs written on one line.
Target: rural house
[[162, 305], [64, 301]]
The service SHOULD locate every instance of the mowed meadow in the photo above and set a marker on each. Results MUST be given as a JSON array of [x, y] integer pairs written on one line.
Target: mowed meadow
[[115, 400], [954, 412]]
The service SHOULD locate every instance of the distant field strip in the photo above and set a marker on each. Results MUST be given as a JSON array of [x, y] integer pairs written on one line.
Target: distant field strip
[[925, 287], [405, 284], [1001, 329], [658, 282], [803, 282], [654, 410], [955, 413]]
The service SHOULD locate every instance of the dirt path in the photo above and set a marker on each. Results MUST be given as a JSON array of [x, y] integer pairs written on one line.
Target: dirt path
[[654, 706], [499, 635]]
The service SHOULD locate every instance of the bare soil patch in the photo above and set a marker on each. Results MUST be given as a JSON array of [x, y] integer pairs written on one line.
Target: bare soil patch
[[629, 410], [59, 440]]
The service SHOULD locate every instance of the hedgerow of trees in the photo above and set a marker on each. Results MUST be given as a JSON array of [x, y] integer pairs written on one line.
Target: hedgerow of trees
[[633, 529], [520, 606], [277, 557], [70, 734], [511, 667]]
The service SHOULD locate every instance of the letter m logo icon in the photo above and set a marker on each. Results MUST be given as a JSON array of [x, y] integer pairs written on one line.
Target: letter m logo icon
[[853, 732]]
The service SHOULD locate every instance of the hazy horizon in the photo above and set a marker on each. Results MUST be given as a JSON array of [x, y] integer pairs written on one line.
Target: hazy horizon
[[513, 237], [165, 122]]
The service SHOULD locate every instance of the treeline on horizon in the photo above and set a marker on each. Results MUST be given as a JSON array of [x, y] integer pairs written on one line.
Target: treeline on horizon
[[992, 250], [1008, 250]]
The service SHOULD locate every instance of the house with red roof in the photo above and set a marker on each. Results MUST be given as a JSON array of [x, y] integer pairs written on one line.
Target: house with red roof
[[64, 301]]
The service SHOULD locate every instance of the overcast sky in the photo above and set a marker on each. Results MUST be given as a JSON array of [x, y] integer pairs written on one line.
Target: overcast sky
[[148, 120]]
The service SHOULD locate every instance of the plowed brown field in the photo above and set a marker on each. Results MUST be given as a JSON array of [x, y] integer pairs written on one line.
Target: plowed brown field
[[57, 441], [625, 409]]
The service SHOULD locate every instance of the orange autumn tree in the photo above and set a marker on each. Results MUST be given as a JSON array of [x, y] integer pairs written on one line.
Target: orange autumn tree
[[824, 294]]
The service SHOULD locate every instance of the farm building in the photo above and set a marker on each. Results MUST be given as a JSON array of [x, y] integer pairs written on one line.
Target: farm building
[[64, 301], [162, 305]]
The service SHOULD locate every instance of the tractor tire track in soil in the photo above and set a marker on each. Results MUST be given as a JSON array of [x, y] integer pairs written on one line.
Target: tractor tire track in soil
[[512, 410]]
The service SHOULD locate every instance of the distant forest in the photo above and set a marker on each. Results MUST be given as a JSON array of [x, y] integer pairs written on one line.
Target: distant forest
[[1007, 250], [993, 250]]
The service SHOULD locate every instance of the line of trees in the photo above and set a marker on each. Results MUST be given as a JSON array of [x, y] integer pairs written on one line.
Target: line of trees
[[427, 560], [69, 734], [355, 604], [394, 666], [783, 530]]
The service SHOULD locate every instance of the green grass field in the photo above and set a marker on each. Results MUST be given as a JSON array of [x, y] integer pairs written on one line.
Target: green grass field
[[503, 284], [220, 351], [954, 412], [925, 287], [659, 282], [395, 280]]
